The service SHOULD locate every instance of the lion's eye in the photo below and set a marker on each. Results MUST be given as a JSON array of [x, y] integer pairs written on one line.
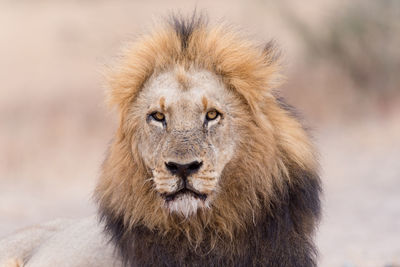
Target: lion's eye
[[158, 116], [212, 115]]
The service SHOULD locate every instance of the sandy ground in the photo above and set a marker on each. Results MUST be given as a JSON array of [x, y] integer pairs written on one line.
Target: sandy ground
[[54, 127], [361, 175]]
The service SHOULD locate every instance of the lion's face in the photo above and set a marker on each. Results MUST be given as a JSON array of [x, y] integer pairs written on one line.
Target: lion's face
[[186, 136]]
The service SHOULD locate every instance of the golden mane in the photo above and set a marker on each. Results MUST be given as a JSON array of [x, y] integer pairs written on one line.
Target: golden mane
[[277, 158]]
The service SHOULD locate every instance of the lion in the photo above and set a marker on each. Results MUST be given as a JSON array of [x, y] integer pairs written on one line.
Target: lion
[[208, 166]]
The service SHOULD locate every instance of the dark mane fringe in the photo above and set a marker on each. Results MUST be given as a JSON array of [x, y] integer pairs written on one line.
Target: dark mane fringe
[[185, 26]]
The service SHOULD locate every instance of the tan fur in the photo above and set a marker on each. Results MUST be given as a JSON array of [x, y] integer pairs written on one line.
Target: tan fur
[[162, 104], [14, 263], [205, 103], [250, 74], [182, 77]]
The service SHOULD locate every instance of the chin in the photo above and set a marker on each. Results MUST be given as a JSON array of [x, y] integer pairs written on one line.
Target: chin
[[186, 205]]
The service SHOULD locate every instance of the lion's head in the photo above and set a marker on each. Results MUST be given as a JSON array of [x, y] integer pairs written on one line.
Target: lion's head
[[204, 149]]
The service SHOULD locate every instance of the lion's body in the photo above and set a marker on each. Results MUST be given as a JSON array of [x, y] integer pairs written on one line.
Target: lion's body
[[59, 243], [208, 167]]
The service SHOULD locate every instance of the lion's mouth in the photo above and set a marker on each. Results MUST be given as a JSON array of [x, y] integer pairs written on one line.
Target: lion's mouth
[[184, 191]]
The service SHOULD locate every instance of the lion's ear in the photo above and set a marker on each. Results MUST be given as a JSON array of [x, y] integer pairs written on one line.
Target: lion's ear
[[273, 59], [272, 53]]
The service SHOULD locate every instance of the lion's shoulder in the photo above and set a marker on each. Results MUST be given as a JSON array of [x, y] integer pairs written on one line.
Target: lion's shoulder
[[59, 243]]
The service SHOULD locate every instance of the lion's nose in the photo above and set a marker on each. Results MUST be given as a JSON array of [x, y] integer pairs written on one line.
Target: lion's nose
[[183, 170]]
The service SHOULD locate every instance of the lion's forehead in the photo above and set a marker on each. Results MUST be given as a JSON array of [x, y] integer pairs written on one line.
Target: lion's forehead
[[199, 86]]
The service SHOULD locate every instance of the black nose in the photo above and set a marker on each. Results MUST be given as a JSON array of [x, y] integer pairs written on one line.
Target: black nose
[[183, 170]]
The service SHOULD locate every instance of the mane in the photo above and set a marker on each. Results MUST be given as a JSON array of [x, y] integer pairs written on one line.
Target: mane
[[275, 187]]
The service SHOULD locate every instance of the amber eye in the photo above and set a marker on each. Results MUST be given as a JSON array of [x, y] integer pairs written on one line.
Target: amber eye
[[158, 116], [212, 115]]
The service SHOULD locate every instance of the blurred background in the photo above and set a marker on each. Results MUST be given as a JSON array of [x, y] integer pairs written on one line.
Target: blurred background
[[342, 60]]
